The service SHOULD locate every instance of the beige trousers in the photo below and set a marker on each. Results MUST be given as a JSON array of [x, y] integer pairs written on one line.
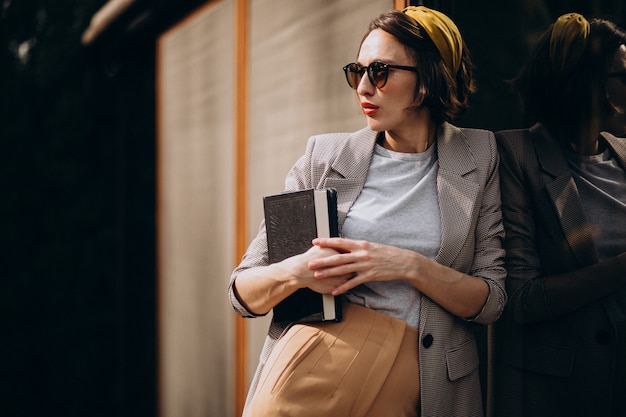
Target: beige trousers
[[364, 366]]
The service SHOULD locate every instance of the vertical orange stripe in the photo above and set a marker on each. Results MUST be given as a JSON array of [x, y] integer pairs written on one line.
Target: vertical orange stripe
[[241, 185], [401, 4]]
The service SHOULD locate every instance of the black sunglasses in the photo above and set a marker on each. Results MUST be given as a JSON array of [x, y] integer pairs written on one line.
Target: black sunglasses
[[377, 72], [621, 75]]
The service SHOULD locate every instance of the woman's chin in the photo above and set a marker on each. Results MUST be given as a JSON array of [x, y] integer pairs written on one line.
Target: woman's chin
[[374, 125]]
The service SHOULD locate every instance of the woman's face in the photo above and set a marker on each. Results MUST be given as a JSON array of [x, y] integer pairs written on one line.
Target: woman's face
[[616, 89], [386, 108]]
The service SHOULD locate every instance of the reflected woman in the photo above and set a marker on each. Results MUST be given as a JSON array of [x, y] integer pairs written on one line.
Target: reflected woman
[[562, 349]]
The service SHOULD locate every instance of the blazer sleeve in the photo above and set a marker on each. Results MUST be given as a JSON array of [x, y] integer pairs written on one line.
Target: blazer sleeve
[[524, 283], [489, 254]]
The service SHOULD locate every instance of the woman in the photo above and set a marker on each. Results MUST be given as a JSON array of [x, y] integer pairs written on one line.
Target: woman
[[420, 252], [561, 343]]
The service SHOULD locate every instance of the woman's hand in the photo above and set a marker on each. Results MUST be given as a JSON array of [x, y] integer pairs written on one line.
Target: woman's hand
[[363, 261], [299, 268]]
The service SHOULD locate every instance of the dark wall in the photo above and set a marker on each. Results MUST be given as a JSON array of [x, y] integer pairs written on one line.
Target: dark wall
[[78, 222], [78, 271]]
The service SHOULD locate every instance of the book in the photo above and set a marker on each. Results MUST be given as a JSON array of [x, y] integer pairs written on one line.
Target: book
[[292, 220]]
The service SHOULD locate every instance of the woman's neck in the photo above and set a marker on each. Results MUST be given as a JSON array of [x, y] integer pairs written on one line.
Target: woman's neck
[[409, 141], [582, 140], [585, 141], [586, 148]]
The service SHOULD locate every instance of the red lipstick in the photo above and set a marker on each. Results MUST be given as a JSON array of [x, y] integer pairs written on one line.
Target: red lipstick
[[368, 108]]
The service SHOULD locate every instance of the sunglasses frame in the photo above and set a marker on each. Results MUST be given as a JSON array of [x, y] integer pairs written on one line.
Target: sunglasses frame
[[347, 69]]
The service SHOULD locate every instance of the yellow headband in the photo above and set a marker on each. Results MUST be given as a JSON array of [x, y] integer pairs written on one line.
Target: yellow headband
[[442, 31], [568, 40]]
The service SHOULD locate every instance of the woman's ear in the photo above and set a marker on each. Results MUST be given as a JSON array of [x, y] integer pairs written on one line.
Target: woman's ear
[[419, 98]]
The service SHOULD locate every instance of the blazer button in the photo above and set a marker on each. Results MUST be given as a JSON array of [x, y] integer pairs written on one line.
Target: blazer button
[[427, 341]]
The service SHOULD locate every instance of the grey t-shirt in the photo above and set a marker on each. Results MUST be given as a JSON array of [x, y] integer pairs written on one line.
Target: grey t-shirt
[[601, 182], [398, 206]]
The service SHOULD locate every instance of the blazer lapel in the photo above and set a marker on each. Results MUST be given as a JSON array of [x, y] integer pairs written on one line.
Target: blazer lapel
[[564, 196], [352, 163], [618, 145], [456, 190]]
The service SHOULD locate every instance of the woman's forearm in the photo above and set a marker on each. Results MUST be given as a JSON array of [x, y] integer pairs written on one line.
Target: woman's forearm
[[575, 289], [261, 288], [461, 294]]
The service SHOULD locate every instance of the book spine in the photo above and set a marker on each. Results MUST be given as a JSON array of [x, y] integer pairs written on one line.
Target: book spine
[[321, 200]]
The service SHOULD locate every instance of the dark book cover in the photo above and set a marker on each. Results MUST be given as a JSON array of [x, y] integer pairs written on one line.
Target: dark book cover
[[292, 220]]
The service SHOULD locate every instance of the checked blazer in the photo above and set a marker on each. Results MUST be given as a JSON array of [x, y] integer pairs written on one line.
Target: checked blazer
[[472, 234], [548, 365]]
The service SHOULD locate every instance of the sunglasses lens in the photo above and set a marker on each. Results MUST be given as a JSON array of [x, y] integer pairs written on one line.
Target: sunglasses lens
[[353, 74], [378, 72]]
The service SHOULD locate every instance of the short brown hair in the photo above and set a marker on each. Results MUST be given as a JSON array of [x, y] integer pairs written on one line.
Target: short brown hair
[[445, 95]]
